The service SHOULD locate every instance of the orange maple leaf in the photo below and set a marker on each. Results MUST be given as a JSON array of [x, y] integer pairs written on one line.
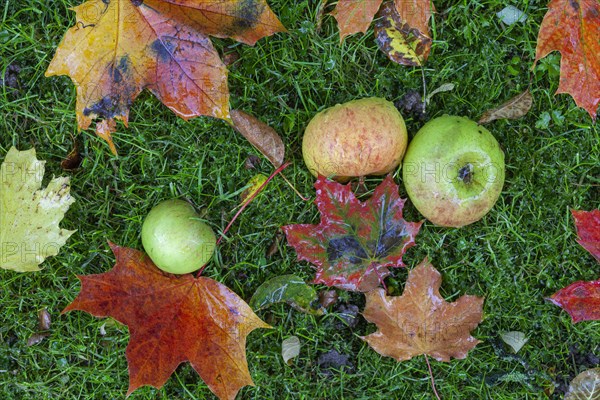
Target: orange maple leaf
[[421, 321], [355, 16], [572, 27], [172, 319], [117, 48]]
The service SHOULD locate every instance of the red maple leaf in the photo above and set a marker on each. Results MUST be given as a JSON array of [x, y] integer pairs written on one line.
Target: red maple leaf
[[588, 230], [355, 242], [580, 299], [573, 27], [172, 319]]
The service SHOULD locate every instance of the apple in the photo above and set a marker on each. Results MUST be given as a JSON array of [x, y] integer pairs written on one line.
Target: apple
[[358, 138], [176, 239], [453, 171]]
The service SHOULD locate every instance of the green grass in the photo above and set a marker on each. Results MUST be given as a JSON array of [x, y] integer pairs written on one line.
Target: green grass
[[520, 253]]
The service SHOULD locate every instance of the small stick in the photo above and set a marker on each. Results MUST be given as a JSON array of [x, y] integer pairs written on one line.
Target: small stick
[[432, 380], [294, 188]]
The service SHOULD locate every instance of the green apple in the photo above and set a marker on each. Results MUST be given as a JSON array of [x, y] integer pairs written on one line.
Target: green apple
[[176, 239], [453, 171]]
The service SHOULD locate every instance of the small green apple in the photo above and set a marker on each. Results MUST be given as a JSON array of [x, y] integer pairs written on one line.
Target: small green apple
[[176, 239], [453, 171]]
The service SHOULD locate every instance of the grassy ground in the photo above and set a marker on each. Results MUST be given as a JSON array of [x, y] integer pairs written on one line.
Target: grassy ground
[[520, 253]]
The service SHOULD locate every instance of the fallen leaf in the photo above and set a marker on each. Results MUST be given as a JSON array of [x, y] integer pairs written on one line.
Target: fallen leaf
[[172, 319], [44, 320], [354, 16], [289, 289], [402, 42], [446, 87], [355, 242], [327, 298], [572, 27], [511, 15], [515, 339], [416, 13], [290, 349], [585, 386], [74, 158], [580, 299], [118, 48], [36, 338], [260, 135], [421, 321], [588, 230], [29, 215], [514, 108], [254, 184]]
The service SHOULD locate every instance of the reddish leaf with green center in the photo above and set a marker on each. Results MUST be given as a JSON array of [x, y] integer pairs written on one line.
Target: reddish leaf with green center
[[355, 242], [172, 319], [572, 27]]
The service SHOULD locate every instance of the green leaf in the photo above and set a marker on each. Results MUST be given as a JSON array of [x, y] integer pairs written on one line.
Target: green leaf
[[289, 289], [29, 215]]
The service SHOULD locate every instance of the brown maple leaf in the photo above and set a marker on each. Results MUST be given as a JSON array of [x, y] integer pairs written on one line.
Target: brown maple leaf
[[421, 321], [572, 27], [172, 319], [117, 48]]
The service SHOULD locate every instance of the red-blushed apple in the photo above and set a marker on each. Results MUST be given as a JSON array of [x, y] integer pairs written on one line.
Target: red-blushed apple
[[175, 238], [453, 171], [358, 138]]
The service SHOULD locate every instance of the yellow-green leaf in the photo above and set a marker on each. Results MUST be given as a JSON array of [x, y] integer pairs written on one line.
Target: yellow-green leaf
[[29, 215], [401, 42]]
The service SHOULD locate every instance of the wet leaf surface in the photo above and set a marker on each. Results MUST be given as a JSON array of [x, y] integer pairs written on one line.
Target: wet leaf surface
[[421, 321], [172, 319], [260, 135], [118, 48], [289, 289], [355, 242], [402, 42], [30, 215], [572, 27], [514, 108]]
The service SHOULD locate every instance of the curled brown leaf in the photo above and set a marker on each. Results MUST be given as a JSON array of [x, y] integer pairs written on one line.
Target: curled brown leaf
[[260, 135], [514, 108]]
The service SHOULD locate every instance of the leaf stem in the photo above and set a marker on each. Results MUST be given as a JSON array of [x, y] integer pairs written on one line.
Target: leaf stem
[[437, 396], [243, 207]]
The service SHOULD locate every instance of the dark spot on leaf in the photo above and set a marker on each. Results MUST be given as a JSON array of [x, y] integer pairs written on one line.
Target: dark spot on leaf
[[574, 4], [137, 2], [247, 15], [122, 69], [107, 2], [107, 107], [346, 247], [391, 237], [163, 49]]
